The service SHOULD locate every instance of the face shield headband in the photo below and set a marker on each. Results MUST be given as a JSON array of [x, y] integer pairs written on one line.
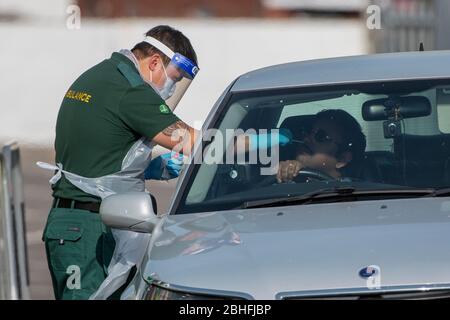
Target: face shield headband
[[179, 73]]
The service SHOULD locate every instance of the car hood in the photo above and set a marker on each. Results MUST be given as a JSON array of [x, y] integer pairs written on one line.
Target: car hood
[[268, 251]]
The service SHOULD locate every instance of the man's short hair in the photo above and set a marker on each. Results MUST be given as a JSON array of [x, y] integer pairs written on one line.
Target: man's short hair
[[353, 139], [172, 38]]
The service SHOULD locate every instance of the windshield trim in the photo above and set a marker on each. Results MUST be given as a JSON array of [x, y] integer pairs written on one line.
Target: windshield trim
[[192, 168], [342, 83]]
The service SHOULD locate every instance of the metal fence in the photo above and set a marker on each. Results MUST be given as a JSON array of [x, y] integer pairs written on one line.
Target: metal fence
[[407, 23], [14, 281]]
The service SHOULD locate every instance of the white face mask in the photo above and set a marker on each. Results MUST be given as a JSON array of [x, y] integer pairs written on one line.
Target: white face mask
[[168, 87]]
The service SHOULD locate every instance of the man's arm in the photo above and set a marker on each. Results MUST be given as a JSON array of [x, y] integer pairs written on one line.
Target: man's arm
[[245, 143], [181, 138], [178, 137]]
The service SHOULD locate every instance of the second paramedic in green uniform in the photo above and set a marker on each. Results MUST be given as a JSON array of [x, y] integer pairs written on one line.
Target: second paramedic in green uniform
[[104, 112]]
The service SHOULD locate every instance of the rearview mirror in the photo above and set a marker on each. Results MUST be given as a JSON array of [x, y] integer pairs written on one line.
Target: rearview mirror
[[133, 211], [407, 107]]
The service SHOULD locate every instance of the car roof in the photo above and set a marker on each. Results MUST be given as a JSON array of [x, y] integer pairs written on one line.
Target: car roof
[[351, 69]]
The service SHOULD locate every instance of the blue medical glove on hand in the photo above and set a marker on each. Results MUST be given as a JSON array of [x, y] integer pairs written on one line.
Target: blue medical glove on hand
[[164, 167], [267, 140], [173, 164]]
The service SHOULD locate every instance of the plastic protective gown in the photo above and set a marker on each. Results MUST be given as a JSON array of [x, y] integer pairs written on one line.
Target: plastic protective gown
[[130, 246]]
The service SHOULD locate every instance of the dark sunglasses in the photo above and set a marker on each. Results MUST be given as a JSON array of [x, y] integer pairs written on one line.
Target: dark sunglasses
[[322, 136]]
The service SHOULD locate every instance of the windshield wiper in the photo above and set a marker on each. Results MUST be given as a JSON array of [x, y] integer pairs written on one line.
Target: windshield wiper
[[440, 192], [338, 193]]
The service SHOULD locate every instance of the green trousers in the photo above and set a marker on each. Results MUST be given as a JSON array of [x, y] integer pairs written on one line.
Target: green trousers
[[79, 248]]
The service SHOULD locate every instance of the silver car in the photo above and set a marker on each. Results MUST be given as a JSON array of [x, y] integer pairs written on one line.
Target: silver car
[[235, 231]]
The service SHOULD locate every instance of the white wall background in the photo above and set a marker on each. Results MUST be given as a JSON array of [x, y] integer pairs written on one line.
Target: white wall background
[[40, 59]]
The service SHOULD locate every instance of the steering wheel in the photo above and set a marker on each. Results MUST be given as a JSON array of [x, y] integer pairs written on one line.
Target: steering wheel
[[301, 177], [304, 174]]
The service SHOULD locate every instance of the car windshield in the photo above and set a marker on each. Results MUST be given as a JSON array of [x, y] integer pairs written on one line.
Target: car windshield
[[377, 136]]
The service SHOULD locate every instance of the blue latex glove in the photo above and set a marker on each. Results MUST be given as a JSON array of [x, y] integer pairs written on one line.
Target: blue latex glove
[[164, 167], [267, 140]]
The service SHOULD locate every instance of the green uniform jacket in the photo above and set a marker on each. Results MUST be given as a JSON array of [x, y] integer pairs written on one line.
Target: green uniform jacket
[[103, 113]]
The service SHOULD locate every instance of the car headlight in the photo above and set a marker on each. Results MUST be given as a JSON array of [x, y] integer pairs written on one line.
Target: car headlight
[[158, 293]]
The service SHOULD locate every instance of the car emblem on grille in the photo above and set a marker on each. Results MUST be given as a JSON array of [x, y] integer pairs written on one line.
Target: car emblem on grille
[[367, 272]]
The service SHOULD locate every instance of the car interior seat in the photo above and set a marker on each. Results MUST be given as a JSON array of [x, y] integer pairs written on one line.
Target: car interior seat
[[425, 159], [379, 166]]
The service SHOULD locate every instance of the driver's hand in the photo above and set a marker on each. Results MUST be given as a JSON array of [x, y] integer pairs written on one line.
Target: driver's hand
[[288, 170]]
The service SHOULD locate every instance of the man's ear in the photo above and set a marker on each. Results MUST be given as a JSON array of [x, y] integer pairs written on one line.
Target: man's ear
[[153, 61], [343, 159]]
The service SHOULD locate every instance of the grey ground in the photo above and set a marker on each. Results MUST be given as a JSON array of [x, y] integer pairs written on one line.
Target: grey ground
[[37, 203]]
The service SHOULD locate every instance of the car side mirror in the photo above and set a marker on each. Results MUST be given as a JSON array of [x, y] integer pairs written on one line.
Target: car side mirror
[[134, 211]]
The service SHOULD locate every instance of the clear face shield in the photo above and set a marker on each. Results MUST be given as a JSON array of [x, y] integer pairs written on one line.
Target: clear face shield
[[179, 74]]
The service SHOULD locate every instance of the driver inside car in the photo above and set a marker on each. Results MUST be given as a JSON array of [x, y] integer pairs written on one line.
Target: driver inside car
[[334, 146]]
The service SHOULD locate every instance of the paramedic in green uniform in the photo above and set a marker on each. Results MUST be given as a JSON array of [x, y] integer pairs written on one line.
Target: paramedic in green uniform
[[103, 113]]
